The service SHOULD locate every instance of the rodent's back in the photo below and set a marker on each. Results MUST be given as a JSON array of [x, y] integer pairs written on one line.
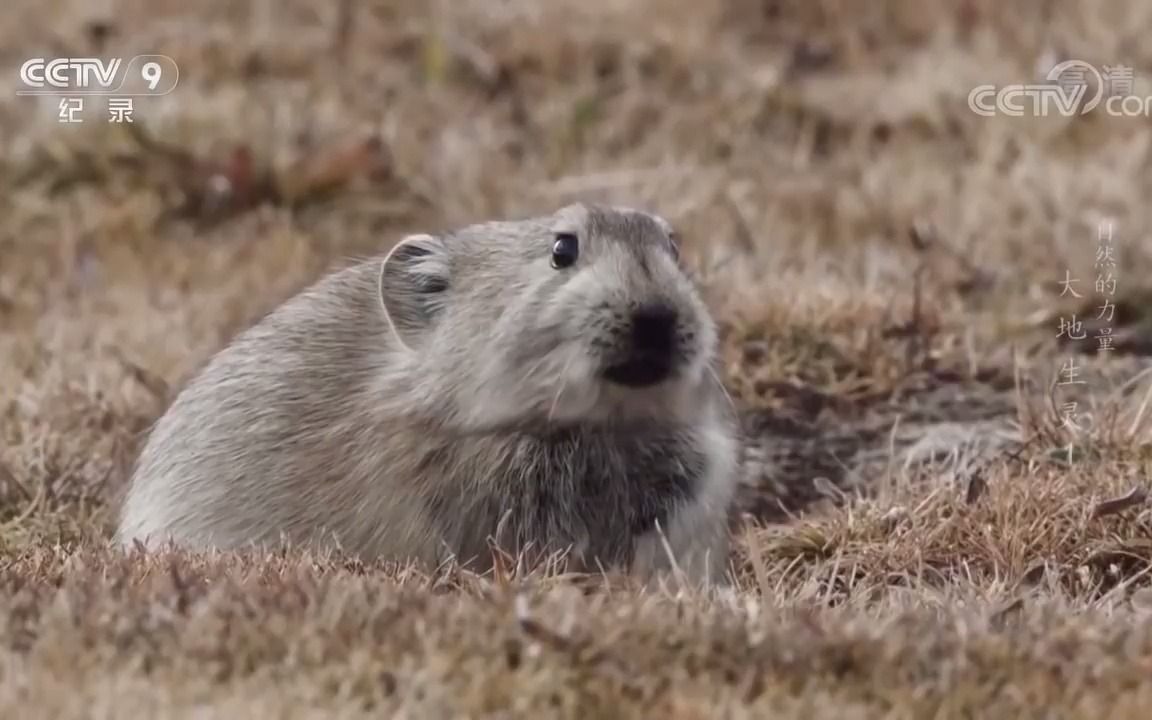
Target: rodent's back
[[256, 444]]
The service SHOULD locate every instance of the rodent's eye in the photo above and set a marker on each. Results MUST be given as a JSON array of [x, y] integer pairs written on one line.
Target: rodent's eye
[[674, 246], [565, 250]]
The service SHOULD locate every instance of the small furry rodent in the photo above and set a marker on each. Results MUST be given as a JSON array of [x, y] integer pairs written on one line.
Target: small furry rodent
[[541, 384]]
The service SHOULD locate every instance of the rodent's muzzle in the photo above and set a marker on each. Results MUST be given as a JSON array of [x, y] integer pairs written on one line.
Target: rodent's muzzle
[[649, 348]]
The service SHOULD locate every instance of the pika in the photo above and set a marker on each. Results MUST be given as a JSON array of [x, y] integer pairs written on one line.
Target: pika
[[545, 385]]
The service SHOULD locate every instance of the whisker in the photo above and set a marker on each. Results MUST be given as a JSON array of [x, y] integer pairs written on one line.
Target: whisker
[[720, 384], [528, 374], [563, 385]]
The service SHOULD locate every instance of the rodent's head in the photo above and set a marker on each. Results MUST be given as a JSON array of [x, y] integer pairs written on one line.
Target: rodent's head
[[582, 316]]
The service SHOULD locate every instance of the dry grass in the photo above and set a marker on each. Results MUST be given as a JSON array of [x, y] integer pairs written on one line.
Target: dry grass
[[885, 265]]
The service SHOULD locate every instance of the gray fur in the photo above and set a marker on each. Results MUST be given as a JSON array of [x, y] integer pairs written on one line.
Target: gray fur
[[415, 406]]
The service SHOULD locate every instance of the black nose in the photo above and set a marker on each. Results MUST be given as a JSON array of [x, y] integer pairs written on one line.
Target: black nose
[[648, 351], [653, 330]]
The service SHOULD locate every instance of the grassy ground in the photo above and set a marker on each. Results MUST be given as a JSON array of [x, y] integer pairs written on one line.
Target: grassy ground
[[923, 538]]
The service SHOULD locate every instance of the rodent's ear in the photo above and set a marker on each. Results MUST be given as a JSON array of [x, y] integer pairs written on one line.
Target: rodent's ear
[[413, 278], [664, 225]]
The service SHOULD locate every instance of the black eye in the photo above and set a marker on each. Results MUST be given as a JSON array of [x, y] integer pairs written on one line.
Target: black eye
[[674, 246], [565, 250]]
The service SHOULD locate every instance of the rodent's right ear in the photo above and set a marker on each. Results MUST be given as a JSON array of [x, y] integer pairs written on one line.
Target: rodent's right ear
[[413, 279]]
